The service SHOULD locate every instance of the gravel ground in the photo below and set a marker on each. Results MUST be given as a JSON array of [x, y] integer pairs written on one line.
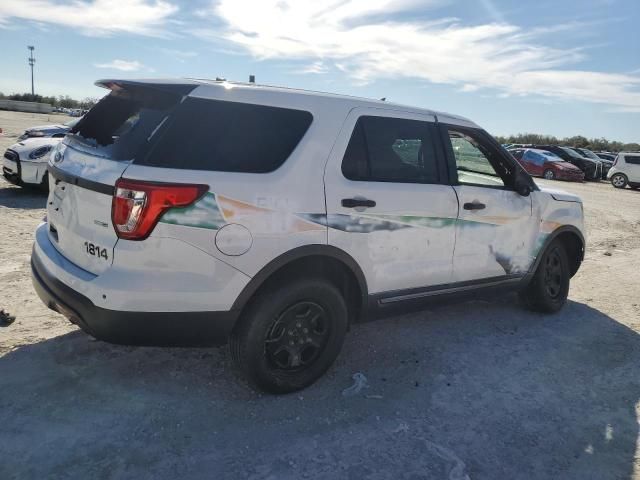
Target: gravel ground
[[480, 389]]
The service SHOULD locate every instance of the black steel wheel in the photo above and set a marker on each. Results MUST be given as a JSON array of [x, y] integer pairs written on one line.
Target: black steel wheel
[[290, 334], [553, 273], [297, 336], [548, 290]]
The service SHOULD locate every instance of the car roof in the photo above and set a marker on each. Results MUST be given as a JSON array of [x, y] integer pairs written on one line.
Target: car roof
[[541, 151], [186, 85]]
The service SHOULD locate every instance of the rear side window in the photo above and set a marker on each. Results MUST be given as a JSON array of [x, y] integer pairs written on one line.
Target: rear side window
[[632, 159], [383, 149], [228, 137]]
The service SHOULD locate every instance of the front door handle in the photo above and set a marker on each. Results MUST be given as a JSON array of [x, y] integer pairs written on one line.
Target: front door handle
[[474, 206], [358, 202]]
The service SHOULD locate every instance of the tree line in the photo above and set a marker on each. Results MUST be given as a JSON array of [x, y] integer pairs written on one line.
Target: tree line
[[594, 144], [62, 101]]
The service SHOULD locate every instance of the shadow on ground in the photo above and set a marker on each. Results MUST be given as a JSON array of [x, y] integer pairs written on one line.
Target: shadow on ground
[[22, 197], [473, 390]]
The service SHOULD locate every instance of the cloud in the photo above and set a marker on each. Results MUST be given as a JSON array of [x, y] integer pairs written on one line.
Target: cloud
[[361, 38], [174, 52], [122, 65], [94, 17], [315, 67]]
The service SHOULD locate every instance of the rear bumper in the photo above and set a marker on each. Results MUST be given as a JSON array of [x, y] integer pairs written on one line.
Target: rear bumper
[[131, 328]]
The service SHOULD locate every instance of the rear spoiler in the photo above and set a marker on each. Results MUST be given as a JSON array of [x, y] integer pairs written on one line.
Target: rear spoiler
[[179, 87]]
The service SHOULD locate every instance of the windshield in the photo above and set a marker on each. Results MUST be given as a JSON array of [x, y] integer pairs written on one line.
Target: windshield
[[72, 123], [571, 152], [551, 157], [589, 154]]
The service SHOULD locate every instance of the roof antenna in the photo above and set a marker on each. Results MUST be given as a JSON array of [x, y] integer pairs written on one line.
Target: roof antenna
[[252, 79], [384, 99]]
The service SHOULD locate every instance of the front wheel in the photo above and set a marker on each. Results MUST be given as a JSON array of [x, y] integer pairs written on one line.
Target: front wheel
[[619, 180], [290, 335], [548, 174], [549, 287], [44, 184]]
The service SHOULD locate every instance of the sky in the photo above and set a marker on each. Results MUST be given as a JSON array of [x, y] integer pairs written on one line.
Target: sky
[[559, 67]]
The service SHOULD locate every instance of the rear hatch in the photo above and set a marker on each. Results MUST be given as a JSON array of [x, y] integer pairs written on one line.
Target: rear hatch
[[84, 167]]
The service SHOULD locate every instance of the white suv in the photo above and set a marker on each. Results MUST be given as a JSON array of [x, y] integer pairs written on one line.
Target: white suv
[[625, 170], [200, 212]]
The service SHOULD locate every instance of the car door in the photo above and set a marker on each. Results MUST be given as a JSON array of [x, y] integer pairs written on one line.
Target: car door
[[495, 231], [389, 204], [633, 167]]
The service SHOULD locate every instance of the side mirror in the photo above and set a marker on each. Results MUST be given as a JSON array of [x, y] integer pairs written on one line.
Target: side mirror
[[522, 184]]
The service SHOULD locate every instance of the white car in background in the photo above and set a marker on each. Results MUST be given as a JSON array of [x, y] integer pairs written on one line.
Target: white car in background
[[25, 162], [625, 170], [49, 130]]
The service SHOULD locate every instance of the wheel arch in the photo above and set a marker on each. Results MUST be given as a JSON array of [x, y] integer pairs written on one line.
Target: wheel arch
[[574, 243], [331, 262]]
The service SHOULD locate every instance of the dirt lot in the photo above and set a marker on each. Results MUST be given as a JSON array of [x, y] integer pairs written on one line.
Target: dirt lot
[[480, 390]]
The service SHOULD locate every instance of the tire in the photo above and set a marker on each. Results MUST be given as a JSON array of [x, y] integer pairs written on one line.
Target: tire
[[289, 336], [548, 174], [547, 292], [44, 185], [619, 180]]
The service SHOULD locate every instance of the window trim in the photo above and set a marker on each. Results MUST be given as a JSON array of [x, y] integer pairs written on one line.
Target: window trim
[[433, 135], [488, 140]]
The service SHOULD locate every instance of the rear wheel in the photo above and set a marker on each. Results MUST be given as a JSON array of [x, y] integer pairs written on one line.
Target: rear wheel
[[290, 335], [619, 180], [549, 287], [548, 174]]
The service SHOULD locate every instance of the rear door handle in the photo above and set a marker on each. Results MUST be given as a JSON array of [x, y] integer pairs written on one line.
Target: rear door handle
[[474, 206], [358, 202]]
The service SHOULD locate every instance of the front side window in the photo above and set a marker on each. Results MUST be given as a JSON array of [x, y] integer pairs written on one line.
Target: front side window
[[477, 163], [632, 159], [383, 149]]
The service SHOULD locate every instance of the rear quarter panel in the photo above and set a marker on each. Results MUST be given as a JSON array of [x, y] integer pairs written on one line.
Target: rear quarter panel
[[278, 209]]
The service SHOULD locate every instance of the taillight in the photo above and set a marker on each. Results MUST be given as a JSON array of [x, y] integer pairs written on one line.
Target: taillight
[[137, 205]]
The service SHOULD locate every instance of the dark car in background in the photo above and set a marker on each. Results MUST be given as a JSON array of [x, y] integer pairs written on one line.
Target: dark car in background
[[546, 164], [606, 164], [592, 169], [607, 156]]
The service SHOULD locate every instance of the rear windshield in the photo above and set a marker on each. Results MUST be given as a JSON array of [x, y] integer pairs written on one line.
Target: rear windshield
[[119, 125], [228, 137]]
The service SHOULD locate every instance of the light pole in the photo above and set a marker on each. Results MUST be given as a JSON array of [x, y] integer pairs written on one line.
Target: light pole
[[32, 61]]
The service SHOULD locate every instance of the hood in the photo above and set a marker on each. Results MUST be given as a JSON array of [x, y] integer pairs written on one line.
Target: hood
[[566, 166], [46, 128], [561, 195], [23, 147]]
